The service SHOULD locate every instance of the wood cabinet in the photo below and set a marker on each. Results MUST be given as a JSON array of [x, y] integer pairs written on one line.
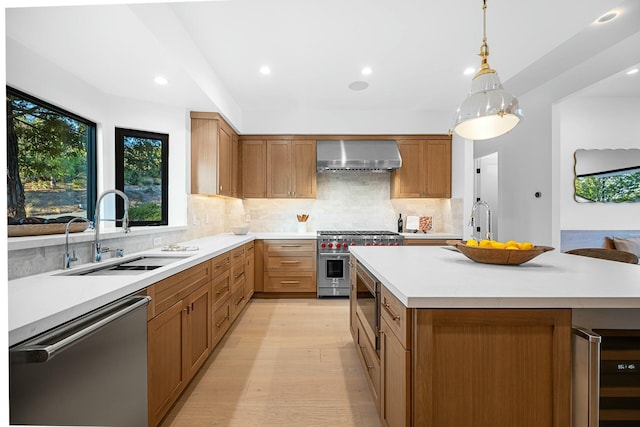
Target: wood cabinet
[[254, 168], [215, 156], [426, 168], [290, 266], [291, 169], [179, 335], [480, 367], [353, 290], [249, 270], [238, 280]]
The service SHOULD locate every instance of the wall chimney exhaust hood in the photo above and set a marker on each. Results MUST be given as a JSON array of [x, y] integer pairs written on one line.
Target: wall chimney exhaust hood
[[374, 155]]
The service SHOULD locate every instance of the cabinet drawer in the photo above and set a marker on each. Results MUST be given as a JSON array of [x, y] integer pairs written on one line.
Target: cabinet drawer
[[370, 363], [220, 264], [248, 249], [275, 247], [221, 320], [238, 301], [290, 263], [167, 292], [237, 255], [397, 316], [221, 287], [237, 274], [283, 282]]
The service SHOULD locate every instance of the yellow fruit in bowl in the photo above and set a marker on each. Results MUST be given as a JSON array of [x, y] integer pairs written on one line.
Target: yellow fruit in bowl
[[498, 245], [525, 245], [512, 247], [472, 242], [511, 243], [485, 243]]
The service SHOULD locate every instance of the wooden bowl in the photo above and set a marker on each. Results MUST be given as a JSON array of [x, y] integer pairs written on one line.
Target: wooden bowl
[[498, 256]]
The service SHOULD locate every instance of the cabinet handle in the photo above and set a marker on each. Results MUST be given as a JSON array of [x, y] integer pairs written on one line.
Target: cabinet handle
[[289, 282], [240, 300], [186, 309], [390, 311], [289, 262], [366, 363], [192, 307], [224, 319], [239, 275]]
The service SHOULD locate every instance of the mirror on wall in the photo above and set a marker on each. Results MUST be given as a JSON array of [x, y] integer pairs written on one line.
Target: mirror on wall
[[607, 176]]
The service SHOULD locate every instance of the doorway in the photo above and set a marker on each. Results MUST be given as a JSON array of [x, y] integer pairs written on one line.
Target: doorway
[[486, 188]]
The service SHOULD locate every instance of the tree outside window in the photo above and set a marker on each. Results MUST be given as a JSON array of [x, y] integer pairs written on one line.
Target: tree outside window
[[141, 172], [50, 161]]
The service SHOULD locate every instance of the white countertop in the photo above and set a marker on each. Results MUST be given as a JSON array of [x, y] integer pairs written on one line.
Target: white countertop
[[436, 277], [421, 235]]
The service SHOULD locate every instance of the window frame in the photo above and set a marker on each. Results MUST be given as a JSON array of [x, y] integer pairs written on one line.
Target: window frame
[[92, 161], [120, 134]]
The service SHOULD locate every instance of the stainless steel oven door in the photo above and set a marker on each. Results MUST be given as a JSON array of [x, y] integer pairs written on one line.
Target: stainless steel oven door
[[333, 274], [367, 305]]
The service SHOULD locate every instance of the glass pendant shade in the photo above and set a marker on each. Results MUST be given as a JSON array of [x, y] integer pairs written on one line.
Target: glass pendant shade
[[489, 110]]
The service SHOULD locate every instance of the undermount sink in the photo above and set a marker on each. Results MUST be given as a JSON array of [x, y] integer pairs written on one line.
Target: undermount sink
[[137, 265]]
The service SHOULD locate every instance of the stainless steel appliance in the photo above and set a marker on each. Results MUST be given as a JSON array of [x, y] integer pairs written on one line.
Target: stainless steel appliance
[[89, 371], [368, 305], [357, 155], [606, 377], [333, 256]]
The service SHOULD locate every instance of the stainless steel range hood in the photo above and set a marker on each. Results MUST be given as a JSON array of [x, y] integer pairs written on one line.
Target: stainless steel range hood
[[357, 155]]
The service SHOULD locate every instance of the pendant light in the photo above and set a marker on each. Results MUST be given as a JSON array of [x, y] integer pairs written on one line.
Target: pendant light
[[489, 110]]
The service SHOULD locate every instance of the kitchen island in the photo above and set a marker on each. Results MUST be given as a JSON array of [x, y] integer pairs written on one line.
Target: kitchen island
[[463, 343]]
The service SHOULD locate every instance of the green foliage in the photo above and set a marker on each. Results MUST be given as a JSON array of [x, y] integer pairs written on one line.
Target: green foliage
[[612, 189], [145, 212], [142, 160]]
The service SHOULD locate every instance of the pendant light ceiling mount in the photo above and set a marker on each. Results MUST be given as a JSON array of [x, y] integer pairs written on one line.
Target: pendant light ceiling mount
[[489, 110]]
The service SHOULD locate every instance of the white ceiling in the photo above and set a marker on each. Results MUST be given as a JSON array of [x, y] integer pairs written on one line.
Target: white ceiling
[[211, 51]]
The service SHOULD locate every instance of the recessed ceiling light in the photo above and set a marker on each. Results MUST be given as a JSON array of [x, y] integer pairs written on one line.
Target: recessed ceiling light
[[366, 71], [469, 70], [358, 85], [265, 70], [609, 16], [161, 80], [633, 71]]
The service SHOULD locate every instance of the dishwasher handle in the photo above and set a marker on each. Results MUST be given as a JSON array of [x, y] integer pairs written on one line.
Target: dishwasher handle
[[39, 350]]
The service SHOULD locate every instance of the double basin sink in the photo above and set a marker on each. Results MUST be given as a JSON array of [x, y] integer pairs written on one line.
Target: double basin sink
[[136, 265]]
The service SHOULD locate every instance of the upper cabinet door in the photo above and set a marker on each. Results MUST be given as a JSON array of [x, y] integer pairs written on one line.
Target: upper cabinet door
[[426, 169], [254, 169], [303, 169], [406, 182], [225, 187], [437, 176], [212, 156], [278, 169]]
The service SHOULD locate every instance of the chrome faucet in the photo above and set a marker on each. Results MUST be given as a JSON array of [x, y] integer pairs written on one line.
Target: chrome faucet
[[473, 216], [97, 243], [71, 257]]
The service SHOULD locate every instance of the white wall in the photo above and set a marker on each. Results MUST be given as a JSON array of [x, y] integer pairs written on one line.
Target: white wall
[[587, 123], [37, 76]]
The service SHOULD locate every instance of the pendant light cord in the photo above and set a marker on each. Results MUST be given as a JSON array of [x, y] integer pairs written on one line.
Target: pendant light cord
[[484, 48]]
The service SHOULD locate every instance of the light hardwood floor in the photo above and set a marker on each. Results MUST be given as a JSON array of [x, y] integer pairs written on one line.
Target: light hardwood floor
[[283, 363]]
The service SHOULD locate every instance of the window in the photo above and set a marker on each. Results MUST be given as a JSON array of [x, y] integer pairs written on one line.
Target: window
[[142, 166], [51, 163]]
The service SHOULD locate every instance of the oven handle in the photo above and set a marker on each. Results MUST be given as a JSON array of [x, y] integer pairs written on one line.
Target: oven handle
[[346, 255]]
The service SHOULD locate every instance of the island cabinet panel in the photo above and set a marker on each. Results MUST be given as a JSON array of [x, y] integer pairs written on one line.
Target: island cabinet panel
[[395, 379], [353, 290], [491, 367], [370, 361]]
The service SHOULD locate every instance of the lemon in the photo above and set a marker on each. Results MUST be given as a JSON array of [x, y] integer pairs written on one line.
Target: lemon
[[498, 245], [526, 245], [485, 243], [511, 243], [472, 242], [511, 247]]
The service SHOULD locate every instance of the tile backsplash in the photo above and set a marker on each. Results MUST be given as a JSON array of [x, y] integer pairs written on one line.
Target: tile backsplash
[[347, 201]]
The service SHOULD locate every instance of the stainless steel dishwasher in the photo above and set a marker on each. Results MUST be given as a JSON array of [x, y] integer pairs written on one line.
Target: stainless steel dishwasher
[[89, 371]]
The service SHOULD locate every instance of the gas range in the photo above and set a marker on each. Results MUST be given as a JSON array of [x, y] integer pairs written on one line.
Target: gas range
[[333, 257], [340, 241]]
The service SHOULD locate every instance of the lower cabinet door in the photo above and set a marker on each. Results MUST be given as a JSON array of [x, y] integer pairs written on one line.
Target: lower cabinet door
[[198, 346], [395, 382], [221, 320], [166, 376]]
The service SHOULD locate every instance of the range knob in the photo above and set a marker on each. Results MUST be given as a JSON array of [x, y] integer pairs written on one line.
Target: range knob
[[323, 245], [353, 243], [345, 245]]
